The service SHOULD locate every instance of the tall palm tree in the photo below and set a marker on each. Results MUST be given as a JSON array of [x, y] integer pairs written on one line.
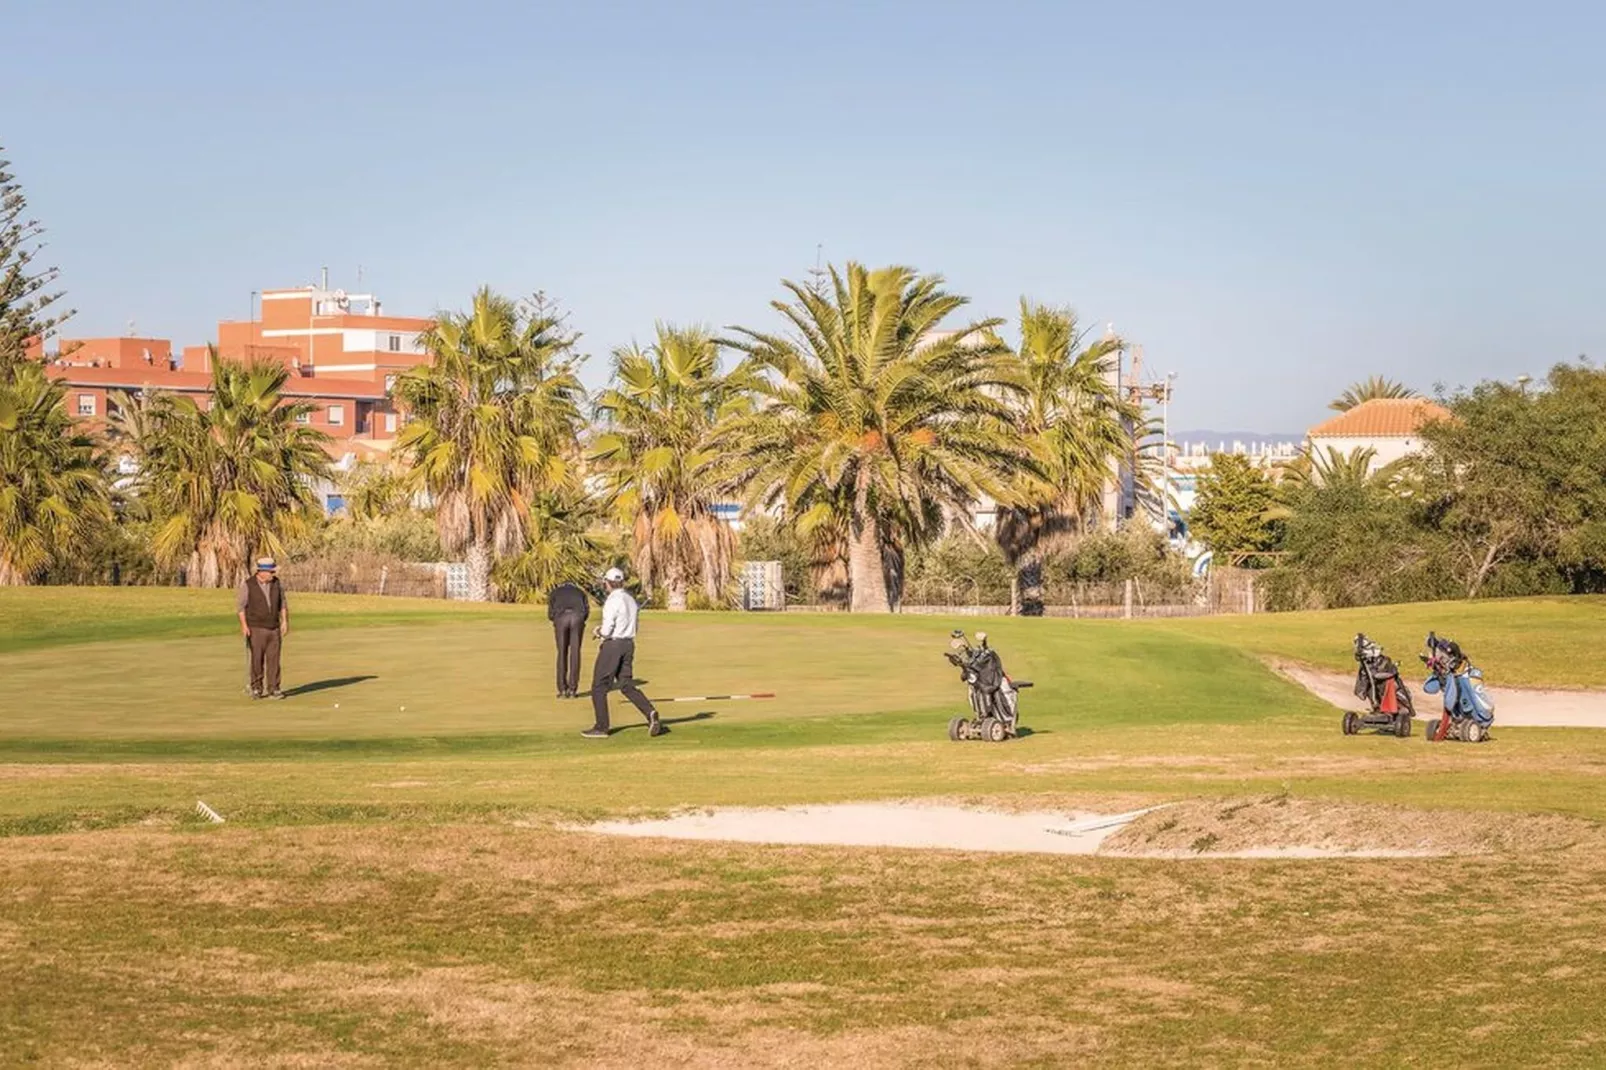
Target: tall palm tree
[[492, 420], [658, 452], [1081, 428], [1370, 389], [228, 482], [53, 486], [870, 405]]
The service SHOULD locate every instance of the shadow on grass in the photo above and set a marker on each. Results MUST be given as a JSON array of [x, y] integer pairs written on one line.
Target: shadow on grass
[[667, 721], [325, 685]]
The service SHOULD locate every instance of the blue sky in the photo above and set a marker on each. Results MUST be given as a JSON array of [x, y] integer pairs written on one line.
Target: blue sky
[[1273, 199]]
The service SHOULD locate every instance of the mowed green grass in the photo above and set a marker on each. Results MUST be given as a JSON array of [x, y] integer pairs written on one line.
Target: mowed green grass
[[402, 887]]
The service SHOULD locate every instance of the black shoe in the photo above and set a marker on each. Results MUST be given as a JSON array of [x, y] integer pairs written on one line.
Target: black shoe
[[595, 733]]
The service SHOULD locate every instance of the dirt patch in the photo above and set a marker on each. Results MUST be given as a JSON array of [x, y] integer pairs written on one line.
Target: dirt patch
[[1284, 827], [1514, 708]]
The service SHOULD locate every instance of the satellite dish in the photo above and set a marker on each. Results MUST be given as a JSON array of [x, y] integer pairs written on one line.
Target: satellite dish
[[341, 299]]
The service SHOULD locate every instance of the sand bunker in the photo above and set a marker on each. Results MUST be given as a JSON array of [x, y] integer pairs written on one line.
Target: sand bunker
[[955, 828], [1513, 708]]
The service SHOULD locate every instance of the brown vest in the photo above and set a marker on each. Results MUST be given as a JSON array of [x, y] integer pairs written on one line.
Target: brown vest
[[262, 608]]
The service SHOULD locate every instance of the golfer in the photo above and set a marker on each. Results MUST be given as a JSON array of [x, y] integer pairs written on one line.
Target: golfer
[[265, 620], [616, 658], [567, 607]]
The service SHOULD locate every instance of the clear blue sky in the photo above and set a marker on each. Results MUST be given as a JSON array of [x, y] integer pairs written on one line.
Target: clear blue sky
[[1274, 201]]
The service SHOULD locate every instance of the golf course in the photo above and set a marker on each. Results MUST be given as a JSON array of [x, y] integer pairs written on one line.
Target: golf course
[[404, 873]]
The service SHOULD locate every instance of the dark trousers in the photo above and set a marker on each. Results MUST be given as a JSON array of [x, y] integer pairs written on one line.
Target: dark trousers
[[264, 660], [569, 630], [616, 665]]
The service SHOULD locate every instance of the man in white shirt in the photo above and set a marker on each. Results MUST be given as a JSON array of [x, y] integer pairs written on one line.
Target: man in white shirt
[[615, 662]]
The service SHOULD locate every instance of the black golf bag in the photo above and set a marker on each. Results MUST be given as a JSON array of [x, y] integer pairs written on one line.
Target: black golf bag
[[994, 698]]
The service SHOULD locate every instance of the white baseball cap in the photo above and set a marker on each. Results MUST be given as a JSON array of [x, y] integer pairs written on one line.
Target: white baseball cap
[[614, 575]]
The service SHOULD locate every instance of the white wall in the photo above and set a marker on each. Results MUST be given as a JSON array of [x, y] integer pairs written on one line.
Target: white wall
[[1385, 450]]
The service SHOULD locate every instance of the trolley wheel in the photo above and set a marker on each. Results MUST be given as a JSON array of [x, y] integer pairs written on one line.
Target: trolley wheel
[[1472, 732], [956, 729], [1407, 707], [1352, 723], [1402, 724], [996, 731]]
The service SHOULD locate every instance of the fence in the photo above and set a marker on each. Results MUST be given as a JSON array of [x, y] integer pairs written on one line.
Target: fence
[[1228, 590], [363, 574]]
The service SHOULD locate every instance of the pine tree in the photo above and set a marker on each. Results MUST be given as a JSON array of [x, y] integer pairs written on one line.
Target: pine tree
[[25, 294]]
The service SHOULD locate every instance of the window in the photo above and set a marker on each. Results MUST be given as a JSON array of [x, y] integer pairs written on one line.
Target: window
[[390, 383], [86, 404], [395, 343], [336, 414], [390, 422], [303, 417]]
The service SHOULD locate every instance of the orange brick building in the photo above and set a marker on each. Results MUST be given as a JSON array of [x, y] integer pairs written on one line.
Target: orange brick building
[[343, 355]]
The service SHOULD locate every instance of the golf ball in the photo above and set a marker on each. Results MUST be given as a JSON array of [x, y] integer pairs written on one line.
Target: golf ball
[[404, 709], [337, 705]]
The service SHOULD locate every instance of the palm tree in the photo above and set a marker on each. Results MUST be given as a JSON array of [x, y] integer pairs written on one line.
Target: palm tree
[[871, 406], [492, 421], [564, 546], [1082, 429], [372, 490], [1370, 390], [659, 455], [53, 486], [228, 482]]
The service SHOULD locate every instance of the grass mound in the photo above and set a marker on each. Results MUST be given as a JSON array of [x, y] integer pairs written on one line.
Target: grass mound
[[1282, 824]]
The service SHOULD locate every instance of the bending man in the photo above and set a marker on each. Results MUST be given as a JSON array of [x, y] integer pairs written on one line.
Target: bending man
[[616, 658], [567, 607]]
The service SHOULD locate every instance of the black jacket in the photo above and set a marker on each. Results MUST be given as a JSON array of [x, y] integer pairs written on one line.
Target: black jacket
[[567, 598]]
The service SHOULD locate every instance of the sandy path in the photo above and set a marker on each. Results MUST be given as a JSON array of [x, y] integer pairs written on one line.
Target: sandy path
[[933, 826], [1513, 708]]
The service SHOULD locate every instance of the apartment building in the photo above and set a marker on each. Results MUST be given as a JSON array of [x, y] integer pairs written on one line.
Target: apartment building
[[342, 352]]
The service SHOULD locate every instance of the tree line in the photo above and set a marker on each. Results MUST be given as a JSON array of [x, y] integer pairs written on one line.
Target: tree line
[[1506, 497], [871, 417]]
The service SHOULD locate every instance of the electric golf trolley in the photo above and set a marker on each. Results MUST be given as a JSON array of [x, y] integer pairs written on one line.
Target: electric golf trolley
[[994, 697]]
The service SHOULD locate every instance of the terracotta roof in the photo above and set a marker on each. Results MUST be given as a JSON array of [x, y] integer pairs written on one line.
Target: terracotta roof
[[1381, 418]]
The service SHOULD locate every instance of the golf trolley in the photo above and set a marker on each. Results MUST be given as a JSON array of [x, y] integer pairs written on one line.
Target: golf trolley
[[1468, 706], [993, 695], [1377, 680]]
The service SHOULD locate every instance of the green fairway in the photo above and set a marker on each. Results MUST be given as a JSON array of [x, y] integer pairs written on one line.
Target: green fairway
[[397, 884]]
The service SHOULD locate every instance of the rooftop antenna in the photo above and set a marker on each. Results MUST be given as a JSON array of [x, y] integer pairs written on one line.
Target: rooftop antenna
[[817, 273], [131, 331], [325, 278], [359, 278]]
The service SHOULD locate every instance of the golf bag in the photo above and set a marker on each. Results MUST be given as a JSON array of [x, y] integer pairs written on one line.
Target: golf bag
[[994, 697], [1377, 680], [1468, 706]]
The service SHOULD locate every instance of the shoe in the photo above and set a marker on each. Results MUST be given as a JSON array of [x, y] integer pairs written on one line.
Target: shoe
[[254, 694], [655, 726], [276, 695], [595, 733]]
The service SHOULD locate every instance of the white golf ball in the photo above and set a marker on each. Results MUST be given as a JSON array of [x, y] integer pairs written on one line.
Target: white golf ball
[[337, 705], [404, 709]]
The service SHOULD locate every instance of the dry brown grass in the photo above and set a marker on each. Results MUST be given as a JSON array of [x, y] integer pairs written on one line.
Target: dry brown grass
[[493, 945]]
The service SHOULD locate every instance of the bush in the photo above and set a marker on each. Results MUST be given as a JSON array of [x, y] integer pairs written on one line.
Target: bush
[[406, 535], [957, 570]]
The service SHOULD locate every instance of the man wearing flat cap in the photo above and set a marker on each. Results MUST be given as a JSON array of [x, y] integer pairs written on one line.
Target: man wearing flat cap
[[265, 620]]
